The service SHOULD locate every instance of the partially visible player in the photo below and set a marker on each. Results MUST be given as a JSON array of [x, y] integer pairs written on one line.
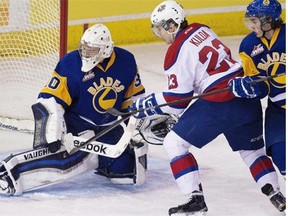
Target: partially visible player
[[263, 53], [198, 62], [85, 83]]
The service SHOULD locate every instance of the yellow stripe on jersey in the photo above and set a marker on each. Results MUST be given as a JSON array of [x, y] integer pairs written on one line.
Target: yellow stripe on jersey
[[111, 61], [248, 65], [57, 87], [135, 88], [126, 104], [273, 40]]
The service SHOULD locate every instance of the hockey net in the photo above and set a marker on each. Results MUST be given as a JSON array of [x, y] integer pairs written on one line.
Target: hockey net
[[32, 38]]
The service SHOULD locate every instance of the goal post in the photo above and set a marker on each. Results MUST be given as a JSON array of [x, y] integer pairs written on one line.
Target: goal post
[[33, 36]]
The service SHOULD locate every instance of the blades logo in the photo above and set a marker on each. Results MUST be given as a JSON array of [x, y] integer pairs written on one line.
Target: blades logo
[[105, 93], [104, 98], [274, 63]]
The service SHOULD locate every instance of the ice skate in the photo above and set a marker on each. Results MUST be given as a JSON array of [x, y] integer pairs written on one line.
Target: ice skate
[[279, 201], [276, 197], [6, 186], [195, 206]]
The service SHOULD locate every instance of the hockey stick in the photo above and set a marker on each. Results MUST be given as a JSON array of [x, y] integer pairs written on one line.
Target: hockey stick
[[15, 125], [6, 127], [89, 145], [116, 112]]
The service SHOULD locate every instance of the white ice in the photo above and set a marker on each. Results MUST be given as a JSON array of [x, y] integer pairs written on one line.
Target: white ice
[[228, 185]]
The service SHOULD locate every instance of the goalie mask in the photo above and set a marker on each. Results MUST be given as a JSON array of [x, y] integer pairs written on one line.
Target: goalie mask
[[95, 45], [153, 129]]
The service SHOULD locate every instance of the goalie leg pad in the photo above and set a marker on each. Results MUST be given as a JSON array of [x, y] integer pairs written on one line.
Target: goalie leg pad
[[141, 150], [134, 175], [118, 168], [38, 168], [139, 174]]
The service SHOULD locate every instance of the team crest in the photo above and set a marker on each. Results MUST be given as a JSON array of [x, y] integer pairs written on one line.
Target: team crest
[[104, 98], [105, 92]]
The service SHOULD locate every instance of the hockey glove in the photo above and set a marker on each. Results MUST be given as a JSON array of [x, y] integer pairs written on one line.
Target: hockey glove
[[153, 129], [242, 87], [146, 104]]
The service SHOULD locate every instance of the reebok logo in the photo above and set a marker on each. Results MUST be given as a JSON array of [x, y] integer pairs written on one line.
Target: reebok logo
[[91, 147]]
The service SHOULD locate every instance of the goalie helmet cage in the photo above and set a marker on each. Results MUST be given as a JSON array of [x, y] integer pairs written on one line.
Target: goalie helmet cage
[[33, 36]]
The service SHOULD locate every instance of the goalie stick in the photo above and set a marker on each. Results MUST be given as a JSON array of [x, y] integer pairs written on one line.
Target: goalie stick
[[116, 112], [75, 143]]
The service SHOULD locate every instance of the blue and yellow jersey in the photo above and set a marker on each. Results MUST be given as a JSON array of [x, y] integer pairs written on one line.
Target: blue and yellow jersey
[[109, 84], [261, 57]]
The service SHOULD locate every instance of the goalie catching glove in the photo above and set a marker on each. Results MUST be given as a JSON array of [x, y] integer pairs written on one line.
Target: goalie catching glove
[[50, 125], [153, 129]]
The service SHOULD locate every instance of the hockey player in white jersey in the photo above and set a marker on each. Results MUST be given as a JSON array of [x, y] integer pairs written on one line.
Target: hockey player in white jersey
[[198, 62]]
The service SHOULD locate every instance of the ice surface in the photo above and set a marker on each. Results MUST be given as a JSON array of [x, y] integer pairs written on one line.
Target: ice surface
[[228, 186]]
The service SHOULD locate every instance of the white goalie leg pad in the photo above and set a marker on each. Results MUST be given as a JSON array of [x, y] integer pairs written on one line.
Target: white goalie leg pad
[[13, 160], [141, 150], [8, 166], [139, 176], [44, 176]]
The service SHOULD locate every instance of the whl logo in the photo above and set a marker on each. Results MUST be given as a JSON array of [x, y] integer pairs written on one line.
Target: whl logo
[[257, 50]]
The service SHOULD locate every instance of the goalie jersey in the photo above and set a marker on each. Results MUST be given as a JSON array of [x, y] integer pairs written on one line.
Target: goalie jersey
[[112, 83], [261, 57]]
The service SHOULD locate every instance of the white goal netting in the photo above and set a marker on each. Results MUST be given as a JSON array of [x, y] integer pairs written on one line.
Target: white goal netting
[[29, 51]]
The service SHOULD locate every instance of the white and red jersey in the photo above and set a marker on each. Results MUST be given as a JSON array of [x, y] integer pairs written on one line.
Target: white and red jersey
[[197, 62]]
